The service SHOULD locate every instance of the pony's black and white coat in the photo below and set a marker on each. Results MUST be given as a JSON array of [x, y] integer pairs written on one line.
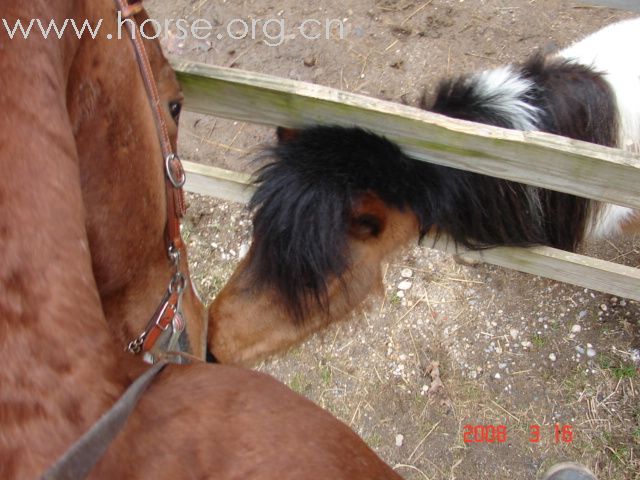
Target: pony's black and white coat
[[305, 197]]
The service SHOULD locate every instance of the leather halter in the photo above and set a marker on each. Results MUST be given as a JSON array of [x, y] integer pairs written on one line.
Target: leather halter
[[168, 315]]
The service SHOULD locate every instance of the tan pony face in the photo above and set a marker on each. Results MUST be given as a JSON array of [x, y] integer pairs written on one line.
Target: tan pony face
[[248, 323]]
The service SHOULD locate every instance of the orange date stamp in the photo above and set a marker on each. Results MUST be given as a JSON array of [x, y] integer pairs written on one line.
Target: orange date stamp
[[499, 433]]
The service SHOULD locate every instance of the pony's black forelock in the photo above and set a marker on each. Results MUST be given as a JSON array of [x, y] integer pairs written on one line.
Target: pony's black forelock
[[303, 205]]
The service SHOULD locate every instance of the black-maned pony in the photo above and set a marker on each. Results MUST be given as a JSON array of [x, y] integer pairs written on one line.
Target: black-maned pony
[[333, 202]]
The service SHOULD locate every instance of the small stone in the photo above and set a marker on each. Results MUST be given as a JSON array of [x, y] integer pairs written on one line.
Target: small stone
[[579, 349], [406, 273], [399, 440], [514, 333], [576, 329], [603, 307], [400, 294], [623, 303], [591, 352], [405, 285], [243, 250], [525, 344], [614, 299], [497, 376], [204, 46], [552, 357], [309, 61]]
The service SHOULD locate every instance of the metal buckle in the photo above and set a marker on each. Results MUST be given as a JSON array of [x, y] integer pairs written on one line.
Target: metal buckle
[[174, 255], [157, 323], [135, 346], [177, 285], [179, 180]]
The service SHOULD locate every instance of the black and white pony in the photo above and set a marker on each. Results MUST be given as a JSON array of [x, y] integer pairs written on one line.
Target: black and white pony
[[334, 202]]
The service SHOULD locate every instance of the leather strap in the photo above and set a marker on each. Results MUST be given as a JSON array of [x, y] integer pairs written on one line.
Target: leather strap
[[174, 173], [162, 321], [131, 8]]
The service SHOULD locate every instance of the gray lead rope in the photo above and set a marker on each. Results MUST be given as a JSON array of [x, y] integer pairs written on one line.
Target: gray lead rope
[[80, 459]]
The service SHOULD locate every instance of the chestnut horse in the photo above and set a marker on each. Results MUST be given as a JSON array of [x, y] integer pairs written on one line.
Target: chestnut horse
[[333, 202], [84, 266]]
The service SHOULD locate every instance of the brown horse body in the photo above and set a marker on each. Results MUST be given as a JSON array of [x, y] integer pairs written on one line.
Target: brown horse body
[[84, 266]]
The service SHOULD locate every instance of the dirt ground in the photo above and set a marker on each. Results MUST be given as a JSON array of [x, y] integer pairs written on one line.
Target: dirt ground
[[512, 349]]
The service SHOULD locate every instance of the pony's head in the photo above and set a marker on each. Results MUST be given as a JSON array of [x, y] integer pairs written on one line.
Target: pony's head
[[326, 215]]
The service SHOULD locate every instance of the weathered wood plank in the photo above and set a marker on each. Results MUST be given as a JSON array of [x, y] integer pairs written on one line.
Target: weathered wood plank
[[559, 265], [217, 182], [587, 272], [530, 157], [631, 5]]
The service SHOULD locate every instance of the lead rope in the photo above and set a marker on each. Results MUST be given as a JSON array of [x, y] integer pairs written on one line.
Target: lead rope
[[79, 460]]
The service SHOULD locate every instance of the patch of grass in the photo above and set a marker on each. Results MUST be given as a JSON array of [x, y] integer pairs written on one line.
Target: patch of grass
[[326, 375], [624, 371], [374, 440], [299, 383], [604, 362], [538, 340], [605, 330], [186, 233], [577, 380], [618, 369], [620, 454]]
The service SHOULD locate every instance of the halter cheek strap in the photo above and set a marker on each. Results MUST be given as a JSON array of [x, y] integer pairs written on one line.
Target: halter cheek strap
[[174, 173], [168, 315]]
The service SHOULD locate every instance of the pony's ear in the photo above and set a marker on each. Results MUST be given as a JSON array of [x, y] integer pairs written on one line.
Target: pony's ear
[[368, 217], [287, 134]]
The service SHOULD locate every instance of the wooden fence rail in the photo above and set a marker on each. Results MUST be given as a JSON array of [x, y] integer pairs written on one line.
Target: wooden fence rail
[[535, 158], [631, 5]]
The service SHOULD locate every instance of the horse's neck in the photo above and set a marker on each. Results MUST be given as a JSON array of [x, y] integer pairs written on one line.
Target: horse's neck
[[59, 371]]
